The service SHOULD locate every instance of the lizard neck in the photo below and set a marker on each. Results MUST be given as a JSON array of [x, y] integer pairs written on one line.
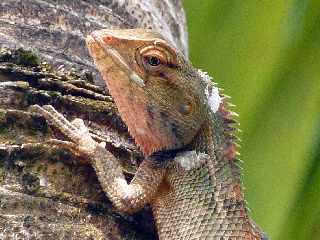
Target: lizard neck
[[217, 135], [204, 140], [217, 139]]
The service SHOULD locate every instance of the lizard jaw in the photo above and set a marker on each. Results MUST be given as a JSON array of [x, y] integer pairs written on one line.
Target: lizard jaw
[[118, 77]]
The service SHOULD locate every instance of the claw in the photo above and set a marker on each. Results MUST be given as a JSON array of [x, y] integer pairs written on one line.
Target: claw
[[82, 142], [63, 144], [72, 147], [102, 144], [79, 124], [59, 116], [57, 120]]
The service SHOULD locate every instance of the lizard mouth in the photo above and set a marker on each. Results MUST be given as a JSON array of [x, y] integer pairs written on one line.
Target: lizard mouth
[[94, 40]]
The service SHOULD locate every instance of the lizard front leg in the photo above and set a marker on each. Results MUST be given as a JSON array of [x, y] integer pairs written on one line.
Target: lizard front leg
[[126, 197]]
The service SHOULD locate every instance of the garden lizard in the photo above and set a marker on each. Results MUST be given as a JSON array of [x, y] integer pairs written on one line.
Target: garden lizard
[[180, 121]]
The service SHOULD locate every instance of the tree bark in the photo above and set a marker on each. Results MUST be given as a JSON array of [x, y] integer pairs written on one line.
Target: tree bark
[[47, 192]]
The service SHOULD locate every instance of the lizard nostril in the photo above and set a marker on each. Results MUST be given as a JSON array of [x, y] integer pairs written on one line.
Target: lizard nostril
[[107, 39]]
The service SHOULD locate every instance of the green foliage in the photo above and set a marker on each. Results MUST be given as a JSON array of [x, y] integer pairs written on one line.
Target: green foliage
[[266, 55]]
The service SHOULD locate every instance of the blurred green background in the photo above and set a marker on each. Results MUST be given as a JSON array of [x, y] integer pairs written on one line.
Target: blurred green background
[[266, 55]]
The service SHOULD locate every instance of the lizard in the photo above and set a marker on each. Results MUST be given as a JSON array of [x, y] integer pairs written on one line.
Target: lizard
[[182, 123]]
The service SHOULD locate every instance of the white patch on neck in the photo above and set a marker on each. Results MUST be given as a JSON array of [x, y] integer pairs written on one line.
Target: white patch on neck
[[211, 92], [191, 160]]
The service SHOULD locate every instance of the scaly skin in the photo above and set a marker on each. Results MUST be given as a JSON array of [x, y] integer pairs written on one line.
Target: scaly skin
[[190, 176]]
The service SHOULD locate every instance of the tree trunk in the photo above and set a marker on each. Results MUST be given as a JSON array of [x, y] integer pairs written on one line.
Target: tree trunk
[[47, 192]]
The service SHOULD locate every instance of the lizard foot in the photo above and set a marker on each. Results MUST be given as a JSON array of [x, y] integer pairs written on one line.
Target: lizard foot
[[81, 141], [72, 147]]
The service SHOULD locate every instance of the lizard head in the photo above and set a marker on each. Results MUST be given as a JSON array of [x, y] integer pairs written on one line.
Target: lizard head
[[157, 92]]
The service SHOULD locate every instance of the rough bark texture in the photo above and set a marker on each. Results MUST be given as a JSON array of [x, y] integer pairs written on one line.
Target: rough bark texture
[[46, 192]]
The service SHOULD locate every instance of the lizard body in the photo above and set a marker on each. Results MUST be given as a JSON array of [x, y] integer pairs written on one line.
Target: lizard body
[[190, 175]]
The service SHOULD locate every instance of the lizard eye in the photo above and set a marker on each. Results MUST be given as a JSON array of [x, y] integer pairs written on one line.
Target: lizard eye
[[153, 59]]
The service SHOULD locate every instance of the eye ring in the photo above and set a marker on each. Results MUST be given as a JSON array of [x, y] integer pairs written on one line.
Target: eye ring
[[152, 59]]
